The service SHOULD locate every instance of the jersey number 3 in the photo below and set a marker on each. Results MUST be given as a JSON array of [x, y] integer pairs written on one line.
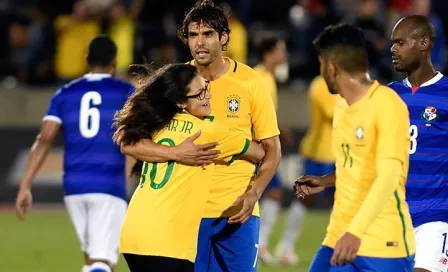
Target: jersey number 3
[[413, 131], [89, 116]]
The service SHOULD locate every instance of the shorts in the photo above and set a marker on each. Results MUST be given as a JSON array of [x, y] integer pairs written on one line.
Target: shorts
[[227, 247], [141, 263], [275, 182], [97, 219], [431, 246], [315, 168], [321, 263]]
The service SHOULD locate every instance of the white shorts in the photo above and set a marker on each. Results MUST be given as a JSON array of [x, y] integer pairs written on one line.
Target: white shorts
[[432, 247], [97, 219]]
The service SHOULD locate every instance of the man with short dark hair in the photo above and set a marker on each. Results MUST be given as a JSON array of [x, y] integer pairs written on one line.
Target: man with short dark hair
[[424, 90], [370, 227]]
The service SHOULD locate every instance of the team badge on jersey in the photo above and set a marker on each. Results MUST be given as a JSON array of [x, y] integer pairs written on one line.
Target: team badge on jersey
[[233, 105], [430, 114], [359, 133]]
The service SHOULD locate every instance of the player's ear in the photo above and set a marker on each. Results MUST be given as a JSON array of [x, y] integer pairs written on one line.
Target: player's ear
[[224, 38], [332, 69], [425, 44], [181, 106]]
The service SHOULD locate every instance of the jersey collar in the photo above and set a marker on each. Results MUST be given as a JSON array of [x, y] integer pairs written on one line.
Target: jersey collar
[[96, 76], [433, 80]]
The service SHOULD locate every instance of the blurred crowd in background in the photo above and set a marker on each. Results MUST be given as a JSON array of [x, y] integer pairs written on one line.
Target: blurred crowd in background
[[46, 40]]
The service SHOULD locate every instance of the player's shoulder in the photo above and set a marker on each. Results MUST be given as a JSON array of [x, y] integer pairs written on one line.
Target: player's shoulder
[[387, 98], [117, 83], [243, 72], [318, 85], [397, 84]]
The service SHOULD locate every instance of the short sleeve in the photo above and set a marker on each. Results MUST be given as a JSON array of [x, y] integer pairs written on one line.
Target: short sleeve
[[392, 126], [54, 113], [264, 117]]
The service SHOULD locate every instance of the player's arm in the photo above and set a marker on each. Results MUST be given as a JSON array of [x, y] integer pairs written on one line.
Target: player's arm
[[264, 120], [187, 152], [39, 152], [255, 153], [37, 156], [233, 144], [392, 147]]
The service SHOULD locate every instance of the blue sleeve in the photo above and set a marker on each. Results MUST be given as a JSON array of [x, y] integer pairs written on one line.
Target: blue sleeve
[[131, 89], [54, 113]]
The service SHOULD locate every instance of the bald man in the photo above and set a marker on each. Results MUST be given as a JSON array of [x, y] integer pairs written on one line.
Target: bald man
[[425, 91]]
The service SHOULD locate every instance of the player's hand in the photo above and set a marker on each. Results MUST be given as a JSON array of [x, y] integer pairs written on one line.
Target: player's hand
[[247, 201], [346, 249], [191, 154], [24, 201], [308, 185]]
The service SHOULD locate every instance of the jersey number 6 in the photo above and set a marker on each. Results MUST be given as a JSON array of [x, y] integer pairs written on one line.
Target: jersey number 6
[[89, 113]]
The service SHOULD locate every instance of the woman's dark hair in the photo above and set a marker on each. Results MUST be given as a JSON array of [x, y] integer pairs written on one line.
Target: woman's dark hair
[[152, 106]]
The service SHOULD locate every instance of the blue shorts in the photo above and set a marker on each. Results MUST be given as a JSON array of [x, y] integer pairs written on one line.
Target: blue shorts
[[321, 263], [226, 247], [275, 182], [315, 168]]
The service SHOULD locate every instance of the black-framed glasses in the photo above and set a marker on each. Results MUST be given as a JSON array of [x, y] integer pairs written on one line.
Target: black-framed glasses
[[202, 93]]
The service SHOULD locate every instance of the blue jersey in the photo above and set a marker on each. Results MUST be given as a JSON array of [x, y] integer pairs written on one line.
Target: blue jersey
[[85, 109], [427, 184]]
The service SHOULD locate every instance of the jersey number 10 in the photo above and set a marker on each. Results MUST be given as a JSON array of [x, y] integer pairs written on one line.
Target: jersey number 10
[[413, 131], [87, 112], [153, 172]]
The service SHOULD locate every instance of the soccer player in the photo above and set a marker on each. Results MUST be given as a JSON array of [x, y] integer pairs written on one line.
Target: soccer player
[[370, 227], [425, 92], [94, 169], [161, 226], [273, 52], [228, 234]]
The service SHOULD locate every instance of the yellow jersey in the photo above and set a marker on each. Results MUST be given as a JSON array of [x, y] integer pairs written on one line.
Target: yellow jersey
[[122, 33], [237, 47], [316, 144], [241, 101], [376, 127], [166, 209], [72, 45], [269, 81]]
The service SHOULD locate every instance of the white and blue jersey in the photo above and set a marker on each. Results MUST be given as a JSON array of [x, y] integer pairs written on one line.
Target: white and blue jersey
[[427, 184], [85, 109]]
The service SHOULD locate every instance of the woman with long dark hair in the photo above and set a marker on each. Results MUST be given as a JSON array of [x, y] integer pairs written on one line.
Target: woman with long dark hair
[[161, 226]]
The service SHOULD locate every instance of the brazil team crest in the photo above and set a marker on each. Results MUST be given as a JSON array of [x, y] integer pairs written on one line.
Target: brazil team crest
[[359, 133], [233, 104], [430, 114]]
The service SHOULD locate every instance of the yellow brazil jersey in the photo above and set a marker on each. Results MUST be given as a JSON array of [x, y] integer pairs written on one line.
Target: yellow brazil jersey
[[376, 127], [241, 100], [72, 45], [269, 81], [316, 143], [165, 211], [122, 33]]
